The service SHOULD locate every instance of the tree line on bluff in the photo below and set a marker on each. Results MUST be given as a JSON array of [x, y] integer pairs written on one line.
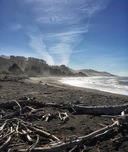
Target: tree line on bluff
[[18, 65]]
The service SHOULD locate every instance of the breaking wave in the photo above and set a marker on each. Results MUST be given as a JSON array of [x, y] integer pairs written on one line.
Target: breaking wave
[[118, 85]]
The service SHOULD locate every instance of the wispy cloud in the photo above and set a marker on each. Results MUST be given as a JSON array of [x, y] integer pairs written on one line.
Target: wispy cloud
[[15, 27], [63, 25], [73, 11], [65, 46], [36, 42]]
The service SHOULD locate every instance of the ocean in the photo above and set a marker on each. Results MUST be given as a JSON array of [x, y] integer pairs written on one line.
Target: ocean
[[118, 85]]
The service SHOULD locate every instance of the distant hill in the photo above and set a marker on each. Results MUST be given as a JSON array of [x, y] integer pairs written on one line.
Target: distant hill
[[90, 72], [22, 66]]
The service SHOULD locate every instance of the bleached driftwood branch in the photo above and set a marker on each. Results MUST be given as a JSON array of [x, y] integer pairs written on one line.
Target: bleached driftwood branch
[[63, 145]]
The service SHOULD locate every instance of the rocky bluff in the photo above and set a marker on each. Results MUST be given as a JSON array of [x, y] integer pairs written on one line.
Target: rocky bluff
[[19, 65]]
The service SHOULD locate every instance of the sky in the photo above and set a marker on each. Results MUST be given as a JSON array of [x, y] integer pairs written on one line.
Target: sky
[[81, 34]]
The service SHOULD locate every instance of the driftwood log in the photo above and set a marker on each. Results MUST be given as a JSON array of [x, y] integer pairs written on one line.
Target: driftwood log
[[76, 108], [99, 110]]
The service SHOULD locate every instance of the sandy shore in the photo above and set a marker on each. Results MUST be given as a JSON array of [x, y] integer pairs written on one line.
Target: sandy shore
[[51, 90], [55, 81]]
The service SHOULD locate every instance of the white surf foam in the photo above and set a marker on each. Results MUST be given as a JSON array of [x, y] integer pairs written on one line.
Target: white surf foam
[[107, 84]]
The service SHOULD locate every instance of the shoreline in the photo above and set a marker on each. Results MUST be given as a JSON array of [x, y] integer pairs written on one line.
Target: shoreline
[[55, 81]]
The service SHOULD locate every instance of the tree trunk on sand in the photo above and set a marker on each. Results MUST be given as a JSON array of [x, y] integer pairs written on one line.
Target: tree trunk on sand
[[99, 110]]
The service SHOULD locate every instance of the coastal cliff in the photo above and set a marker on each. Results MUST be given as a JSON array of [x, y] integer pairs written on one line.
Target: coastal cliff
[[19, 65]]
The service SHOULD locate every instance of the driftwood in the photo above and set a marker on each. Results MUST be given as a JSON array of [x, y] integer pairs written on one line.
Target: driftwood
[[26, 101], [60, 146], [63, 116], [99, 110], [19, 128], [76, 108], [44, 133], [14, 127], [47, 117]]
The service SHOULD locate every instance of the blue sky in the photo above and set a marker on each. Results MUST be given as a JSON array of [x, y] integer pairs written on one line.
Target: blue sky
[[89, 34]]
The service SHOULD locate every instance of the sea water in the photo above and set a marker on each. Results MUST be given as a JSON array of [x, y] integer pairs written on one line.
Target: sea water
[[118, 85]]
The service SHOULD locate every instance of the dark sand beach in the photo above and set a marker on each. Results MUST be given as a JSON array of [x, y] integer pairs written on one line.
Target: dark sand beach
[[48, 89]]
